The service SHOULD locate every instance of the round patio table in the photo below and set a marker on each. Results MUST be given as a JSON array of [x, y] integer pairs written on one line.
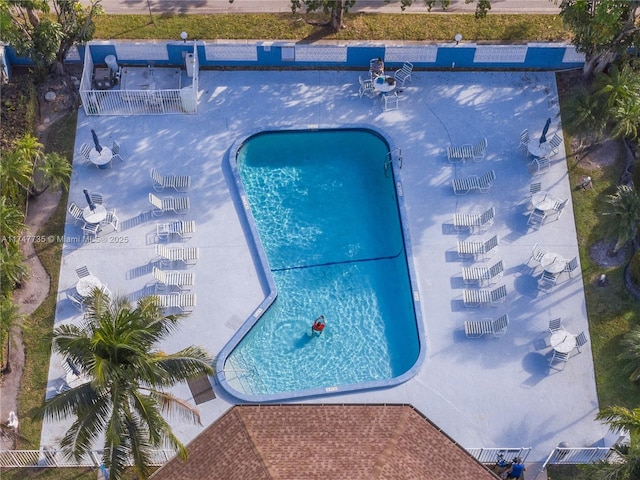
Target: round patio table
[[86, 285], [539, 150], [553, 262], [563, 341], [101, 159], [94, 216], [381, 85], [543, 201]]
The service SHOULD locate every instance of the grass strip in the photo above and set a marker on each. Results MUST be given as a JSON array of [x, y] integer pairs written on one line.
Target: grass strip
[[309, 28]]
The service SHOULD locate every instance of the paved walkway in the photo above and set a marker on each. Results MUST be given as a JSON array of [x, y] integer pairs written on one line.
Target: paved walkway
[[482, 392], [284, 6]]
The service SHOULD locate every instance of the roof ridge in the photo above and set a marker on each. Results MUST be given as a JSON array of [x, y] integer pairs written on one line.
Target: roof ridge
[[392, 444], [249, 435]]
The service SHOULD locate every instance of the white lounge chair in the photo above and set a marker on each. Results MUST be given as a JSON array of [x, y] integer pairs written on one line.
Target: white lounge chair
[[476, 250], [178, 205], [478, 151], [497, 327], [483, 275], [473, 221], [188, 256], [476, 298], [184, 302], [180, 183], [180, 228], [168, 280], [462, 186]]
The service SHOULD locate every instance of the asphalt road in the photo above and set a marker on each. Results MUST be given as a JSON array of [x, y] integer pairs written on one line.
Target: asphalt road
[[123, 7]]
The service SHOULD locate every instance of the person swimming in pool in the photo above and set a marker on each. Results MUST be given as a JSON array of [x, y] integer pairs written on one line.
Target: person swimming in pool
[[318, 325]]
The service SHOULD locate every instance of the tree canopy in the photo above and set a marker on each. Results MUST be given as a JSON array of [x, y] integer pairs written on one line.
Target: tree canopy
[[602, 29], [117, 349], [45, 30]]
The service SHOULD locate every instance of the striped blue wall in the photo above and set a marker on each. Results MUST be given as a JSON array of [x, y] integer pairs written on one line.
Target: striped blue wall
[[549, 56]]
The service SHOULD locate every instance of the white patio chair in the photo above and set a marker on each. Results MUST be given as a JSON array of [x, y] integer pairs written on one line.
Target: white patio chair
[[555, 325], [82, 271], [76, 212], [476, 250], [180, 228], [115, 150], [554, 143], [179, 183], [76, 299], [404, 73], [559, 207], [391, 101], [537, 218], [178, 205], [85, 151], [476, 298], [571, 266], [534, 188], [111, 219], [91, 230], [524, 139], [168, 280], [366, 88], [96, 198], [581, 341], [547, 281], [540, 165], [188, 256], [559, 357]]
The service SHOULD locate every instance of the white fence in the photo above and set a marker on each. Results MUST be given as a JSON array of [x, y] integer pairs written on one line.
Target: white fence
[[120, 101], [492, 455], [578, 456], [56, 458]]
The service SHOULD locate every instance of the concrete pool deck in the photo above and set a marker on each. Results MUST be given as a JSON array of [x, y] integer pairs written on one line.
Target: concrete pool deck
[[483, 392]]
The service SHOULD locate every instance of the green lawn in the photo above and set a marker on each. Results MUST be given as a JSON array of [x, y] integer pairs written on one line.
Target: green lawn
[[407, 27]]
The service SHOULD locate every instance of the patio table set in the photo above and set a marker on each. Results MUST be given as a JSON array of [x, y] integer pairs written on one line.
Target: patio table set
[[563, 343], [540, 151], [553, 266], [381, 85], [95, 216], [100, 156]]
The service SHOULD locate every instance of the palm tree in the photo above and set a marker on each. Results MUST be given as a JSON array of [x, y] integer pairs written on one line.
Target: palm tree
[[15, 172], [117, 348], [627, 466], [52, 171], [624, 217], [11, 221], [583, 115], [13, 268], [631, 353]]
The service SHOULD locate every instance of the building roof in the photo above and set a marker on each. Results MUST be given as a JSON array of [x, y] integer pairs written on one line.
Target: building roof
[[284, 442]]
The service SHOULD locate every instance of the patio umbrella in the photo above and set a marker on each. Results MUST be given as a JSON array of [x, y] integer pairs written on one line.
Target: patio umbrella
[[543, 137], [97, 143], [92, 206]]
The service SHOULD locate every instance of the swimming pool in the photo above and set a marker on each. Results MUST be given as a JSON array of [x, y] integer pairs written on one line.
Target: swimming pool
[[325, 214]]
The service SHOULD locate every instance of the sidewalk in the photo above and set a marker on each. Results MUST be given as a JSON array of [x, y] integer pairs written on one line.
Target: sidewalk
[[123, 7]]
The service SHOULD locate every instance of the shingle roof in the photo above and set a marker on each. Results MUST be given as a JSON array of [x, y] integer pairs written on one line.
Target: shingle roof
[[285, 442]]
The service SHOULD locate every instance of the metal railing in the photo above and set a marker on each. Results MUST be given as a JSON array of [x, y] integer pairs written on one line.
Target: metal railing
[[578, 456], [492, 455], [48, 458], [119, 101]]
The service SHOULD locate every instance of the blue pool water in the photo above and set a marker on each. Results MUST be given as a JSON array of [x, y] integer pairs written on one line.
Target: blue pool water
[[326, 214]]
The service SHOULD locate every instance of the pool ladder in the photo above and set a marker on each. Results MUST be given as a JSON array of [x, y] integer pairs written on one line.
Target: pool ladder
[[388, 159]]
